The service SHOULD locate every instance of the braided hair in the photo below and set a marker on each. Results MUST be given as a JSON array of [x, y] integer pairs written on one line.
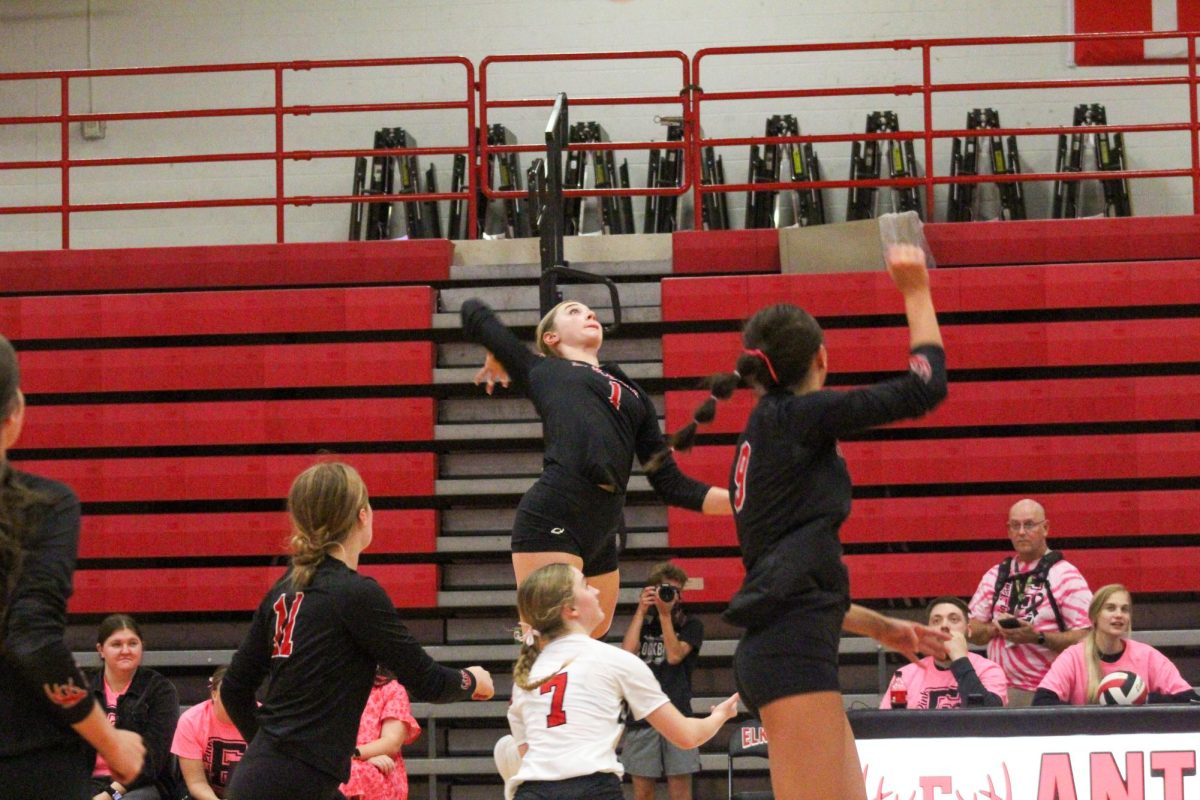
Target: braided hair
[[324, 504], [779, 343], [541, 598]]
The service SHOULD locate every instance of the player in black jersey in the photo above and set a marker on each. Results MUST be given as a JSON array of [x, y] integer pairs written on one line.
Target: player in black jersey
[[791, 493], [318, 634], [594, 421], [45, 705]]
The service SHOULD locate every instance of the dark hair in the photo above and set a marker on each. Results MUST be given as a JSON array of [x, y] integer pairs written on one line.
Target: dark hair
[[779, 343], [214, 681], [117, 622], [952, 600], [667, 570], [324, 504], [21, 508]]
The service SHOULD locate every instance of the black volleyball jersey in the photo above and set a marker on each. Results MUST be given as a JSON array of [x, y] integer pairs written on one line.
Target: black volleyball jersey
[[594, 418], [319, 646], [789, 485]]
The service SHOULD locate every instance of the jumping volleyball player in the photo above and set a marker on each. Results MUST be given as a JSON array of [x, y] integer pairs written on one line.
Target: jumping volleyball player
[[594, 420], [791, 493], [319, 633], [570, 693]]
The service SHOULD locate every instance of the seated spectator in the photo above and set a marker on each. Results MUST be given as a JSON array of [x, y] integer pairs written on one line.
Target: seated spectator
[[962, 679], [135, 698], [377, 771], [208, 745], [1075, 676]]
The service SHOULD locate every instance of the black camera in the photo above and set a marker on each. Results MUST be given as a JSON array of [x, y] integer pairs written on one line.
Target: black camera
[[666, 592]]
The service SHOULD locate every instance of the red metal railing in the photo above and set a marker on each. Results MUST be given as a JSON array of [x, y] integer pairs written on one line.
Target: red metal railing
[[927, 133], [680, 96], [279, 110], [687, 96]]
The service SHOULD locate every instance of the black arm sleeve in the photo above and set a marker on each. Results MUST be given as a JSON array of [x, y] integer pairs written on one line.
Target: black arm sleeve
[[372, 620], [162, 714], [668, 481], [481, 326], [246, 672], [970, 689], [1186, 696], [906, 397], [1045, 697], [37, 611]]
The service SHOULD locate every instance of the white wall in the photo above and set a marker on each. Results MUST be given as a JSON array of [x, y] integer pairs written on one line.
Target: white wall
[[35, 34]]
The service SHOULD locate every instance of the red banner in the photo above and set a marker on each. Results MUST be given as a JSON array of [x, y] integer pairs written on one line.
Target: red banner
[[1141, 16]]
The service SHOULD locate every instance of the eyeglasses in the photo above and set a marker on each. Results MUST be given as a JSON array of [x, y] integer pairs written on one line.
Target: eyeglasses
[[1025, 525]]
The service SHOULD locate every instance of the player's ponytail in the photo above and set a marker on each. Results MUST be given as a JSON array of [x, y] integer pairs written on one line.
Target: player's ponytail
[[324, 504], [541, 598], [779, 343]]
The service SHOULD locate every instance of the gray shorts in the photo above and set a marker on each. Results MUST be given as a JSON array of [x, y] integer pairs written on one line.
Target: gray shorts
[[647, 754]]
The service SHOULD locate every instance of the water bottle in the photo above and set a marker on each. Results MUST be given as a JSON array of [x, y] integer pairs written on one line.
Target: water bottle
[[899, 694]]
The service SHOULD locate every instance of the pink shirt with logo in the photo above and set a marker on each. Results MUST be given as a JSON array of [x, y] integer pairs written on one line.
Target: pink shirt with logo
[[1026, 664], [930, 686], [110, 711], [1068, 676], [218, 745]]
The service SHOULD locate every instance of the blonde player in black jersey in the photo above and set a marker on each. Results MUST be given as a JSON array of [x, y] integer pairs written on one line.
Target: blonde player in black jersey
[[570, 693], [594, 421], [319, 634], [791, 493]]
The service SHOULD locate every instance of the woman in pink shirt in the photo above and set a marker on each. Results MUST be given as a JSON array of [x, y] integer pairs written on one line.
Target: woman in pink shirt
[[377, 771], [1075, 676], [208, 745]]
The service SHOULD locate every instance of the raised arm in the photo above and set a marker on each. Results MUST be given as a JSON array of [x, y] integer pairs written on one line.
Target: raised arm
[[480, 325]]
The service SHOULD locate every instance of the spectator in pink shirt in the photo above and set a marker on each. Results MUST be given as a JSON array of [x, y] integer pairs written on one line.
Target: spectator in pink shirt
[[1029, 607], [377, 771], [208, 745], [961, 679], [1075, 675]]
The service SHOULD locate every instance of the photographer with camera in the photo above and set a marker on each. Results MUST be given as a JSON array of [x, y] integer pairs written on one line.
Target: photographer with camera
[[668, 640]]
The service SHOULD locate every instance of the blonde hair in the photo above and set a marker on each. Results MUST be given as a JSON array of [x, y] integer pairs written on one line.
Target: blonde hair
[[1091, 654], [541, 598], [547, 326], [323, 503]]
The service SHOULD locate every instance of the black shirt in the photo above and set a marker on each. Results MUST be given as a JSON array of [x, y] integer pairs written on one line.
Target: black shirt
[[594, 418], [150, 707], [320, 646], [790, 488], [675, 679], [42, 692]]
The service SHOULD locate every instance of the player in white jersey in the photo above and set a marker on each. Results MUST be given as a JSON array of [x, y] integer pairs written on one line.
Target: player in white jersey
[[570, 693]]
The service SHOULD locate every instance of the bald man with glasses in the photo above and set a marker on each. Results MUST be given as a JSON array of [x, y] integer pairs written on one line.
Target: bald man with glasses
[[1029, 607]]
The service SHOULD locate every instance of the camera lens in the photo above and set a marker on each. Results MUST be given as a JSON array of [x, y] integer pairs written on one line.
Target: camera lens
[[666, 592]]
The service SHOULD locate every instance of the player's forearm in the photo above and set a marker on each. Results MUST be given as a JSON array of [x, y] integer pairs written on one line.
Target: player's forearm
[[922, 319]]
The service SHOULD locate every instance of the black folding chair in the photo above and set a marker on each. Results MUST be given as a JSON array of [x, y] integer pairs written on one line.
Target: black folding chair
[[747, 741]]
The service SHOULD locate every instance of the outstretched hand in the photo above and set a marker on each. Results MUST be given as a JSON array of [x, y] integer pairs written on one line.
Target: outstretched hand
[[912, 639], [906, 266], [727, 709], [491, 373]]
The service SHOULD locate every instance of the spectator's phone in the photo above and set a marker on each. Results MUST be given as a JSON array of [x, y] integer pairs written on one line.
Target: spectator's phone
[[1009, 622]]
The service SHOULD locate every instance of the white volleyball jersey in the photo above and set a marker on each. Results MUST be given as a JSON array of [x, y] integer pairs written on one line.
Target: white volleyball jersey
[[572, 722]]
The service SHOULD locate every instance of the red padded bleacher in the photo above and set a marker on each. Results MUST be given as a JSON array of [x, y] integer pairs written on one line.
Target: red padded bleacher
[[100, 316], [891, 575], [216, 589], [231, 423], [235, 534], [227, 266], [114, 480]]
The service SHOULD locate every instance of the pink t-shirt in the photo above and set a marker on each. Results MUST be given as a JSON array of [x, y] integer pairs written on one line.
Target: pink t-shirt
[[930, 686], [218, 745], [1068, 676], [389, 701], [110, 711], [1026, 664]]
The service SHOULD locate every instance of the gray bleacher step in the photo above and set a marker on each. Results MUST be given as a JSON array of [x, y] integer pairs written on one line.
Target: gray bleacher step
[[500, 542], [641, 315], [500, 520], [631, 254], [497, 485], [487, 430], [506, 300], [449, 376], [623, 349]]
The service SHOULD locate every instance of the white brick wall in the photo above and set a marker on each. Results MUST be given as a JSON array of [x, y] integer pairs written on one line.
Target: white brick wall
[[40, 35]]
